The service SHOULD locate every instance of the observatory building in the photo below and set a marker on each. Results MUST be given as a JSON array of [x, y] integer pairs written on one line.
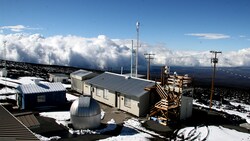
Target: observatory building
[[85, 113]]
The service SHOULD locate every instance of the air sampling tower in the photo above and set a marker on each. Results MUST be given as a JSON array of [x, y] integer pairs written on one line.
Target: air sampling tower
[[134, 54]]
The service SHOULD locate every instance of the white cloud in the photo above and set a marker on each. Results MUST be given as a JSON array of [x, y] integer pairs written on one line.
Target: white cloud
[[242, 36], [102, 52], [17, 28], [210, 36]]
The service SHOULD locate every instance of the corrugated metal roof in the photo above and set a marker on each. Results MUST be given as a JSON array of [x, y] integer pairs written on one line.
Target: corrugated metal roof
[[28, 119], [12, 129], [41, 88], [120, 83]]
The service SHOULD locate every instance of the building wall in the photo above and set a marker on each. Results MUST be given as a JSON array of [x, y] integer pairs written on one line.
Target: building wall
[[59, 79], [144, 104], [134, 105], [77, 85], [138, 106], [86, 89], [186, 107], [99, 95], [31, 101]]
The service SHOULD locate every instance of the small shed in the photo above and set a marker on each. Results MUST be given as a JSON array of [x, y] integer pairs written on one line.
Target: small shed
[[40, 95], [78, 78], [58, 77], [123, 92]]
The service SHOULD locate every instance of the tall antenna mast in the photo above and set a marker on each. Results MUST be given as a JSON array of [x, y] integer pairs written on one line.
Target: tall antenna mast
[[148, 56], [137, 46], [214, 61]]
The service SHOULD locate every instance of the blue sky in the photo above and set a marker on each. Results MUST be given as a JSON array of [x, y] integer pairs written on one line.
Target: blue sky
[[177, 24]]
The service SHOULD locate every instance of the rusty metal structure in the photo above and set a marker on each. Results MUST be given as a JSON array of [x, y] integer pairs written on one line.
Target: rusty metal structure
[[170, 90]]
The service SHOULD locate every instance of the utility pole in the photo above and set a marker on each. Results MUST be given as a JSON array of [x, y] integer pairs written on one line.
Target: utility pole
[[214, 61], [148, 56]]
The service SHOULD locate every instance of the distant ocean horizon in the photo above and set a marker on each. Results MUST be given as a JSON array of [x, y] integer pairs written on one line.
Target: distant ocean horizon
[[235, 77]]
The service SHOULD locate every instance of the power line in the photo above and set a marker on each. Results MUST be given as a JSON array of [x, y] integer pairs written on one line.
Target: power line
[[233, 73], [148, 56]]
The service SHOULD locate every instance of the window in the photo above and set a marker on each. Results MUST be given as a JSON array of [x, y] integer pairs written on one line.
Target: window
[[105, 94], [99, 92], [41, 98], [127, 102]]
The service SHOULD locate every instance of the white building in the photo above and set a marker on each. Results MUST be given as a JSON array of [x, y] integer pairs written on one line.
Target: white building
[[58, 77], [78, 79], [3, 72], [123, 92]]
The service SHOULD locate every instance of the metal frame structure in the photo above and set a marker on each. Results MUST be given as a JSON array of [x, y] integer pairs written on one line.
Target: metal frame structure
[[168, 108]]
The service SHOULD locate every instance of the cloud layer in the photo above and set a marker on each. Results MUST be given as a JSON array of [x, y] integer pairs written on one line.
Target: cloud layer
[[209, 36], [102, 52], [16, 28]]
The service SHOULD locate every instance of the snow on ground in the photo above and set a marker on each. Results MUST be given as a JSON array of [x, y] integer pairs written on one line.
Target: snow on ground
[[24, 80], [27, 80], [7, 81], [133, 130], [232, 112], [60, 117], [71, 97], [134, 123], [211, 133], [67, 86], [16, 82], [247, 107], [129, 131], [7, 90], [134, 137], [8, 97], [42, 138]]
